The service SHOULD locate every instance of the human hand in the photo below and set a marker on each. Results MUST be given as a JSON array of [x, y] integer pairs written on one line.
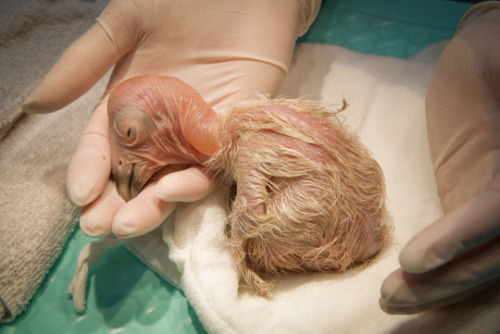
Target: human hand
[[459, 254], [452, 259], [217, 47]]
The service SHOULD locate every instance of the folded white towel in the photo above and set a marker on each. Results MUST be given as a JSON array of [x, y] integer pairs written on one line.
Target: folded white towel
[[386, 97]]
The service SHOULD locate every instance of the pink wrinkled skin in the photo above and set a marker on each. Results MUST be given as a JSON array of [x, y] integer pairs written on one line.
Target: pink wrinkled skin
[[309, 196]]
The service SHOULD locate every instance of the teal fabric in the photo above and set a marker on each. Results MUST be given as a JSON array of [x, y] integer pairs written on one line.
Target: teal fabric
[[124, 295], [397, 28]]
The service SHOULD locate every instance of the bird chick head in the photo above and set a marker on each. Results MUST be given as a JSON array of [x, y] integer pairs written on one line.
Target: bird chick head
[[156, 121]]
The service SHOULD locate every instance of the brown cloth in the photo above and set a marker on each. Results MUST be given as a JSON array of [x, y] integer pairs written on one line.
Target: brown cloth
[[36, 218]]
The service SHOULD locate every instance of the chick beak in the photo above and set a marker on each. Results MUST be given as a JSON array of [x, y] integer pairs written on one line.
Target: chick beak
[[128, 183]]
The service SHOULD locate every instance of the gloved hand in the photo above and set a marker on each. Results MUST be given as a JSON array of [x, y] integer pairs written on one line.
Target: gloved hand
[[228, 50], [459, 254]]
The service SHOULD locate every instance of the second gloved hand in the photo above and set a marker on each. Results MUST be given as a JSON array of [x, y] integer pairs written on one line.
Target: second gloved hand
[[459, 254]]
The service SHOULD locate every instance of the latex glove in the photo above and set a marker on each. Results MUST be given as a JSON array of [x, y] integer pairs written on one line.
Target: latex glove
[[228, 50], [459, 254]]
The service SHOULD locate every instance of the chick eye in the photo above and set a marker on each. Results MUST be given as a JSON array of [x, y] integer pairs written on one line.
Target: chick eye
[[131, 133], [129, 126], [128, 130]]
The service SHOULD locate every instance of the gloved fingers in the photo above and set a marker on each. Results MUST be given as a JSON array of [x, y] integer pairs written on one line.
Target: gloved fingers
[[77, 289], [141, 214], [89, 255], [399, 308], [90, 166], [187, 185], [86, 60], [97, 217], [460, 230], [469, 272]]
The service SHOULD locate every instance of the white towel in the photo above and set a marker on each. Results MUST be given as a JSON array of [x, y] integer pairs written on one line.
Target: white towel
[[386, 97]]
